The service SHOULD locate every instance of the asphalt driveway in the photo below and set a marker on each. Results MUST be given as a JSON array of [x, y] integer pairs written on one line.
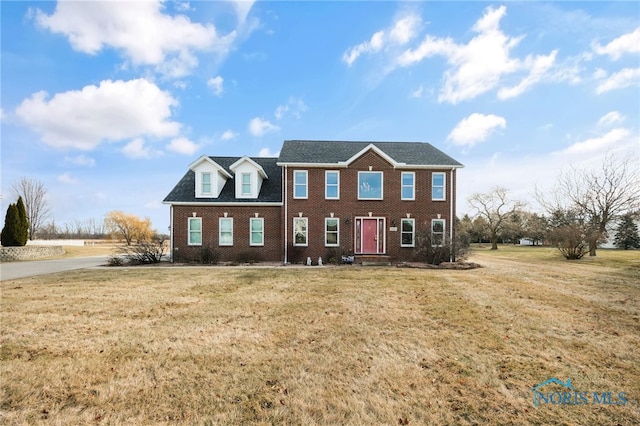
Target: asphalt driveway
[[13, 270]]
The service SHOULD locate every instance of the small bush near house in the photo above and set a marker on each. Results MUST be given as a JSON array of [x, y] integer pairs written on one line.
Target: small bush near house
[[248, 257], [115, 261], [334, 255], [145, 252], [209, 256], [435, 252]]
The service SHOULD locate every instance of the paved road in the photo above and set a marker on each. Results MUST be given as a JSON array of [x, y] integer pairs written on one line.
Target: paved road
[[13, 270]]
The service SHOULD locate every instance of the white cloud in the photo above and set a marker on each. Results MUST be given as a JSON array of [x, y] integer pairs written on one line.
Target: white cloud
[[295, 107], [613, 117], [215, 84], [624, 78], [3, 115], [259, 127], [180, 84], [401, 32], [539, 66], [183, 145], [418, 93], [266, 152], [112, 111], [600, 143], [476, 128], [476, 67], [67, 179], [228, 135], [81, 160], [140, 30], [627, 43], [137, 149]]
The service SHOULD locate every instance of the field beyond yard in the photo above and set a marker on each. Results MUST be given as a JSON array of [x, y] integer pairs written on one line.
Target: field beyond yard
[[330, 345]]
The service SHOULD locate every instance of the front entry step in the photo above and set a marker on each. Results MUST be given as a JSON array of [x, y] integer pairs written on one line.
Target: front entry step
[[373, 260]]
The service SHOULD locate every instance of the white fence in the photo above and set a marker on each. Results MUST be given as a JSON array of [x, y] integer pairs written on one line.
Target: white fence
[[79, 243]]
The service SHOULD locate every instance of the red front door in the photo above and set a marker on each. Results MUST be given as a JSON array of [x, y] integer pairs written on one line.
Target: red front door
[[370, 235]]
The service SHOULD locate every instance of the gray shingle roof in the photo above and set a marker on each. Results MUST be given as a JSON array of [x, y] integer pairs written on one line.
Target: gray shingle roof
[[271, 191], [325, 152]]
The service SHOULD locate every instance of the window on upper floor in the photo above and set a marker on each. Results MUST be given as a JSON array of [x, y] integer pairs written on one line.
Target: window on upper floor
[[437, 232], [246, 184], [194, 231], [408, 180], [300, 183], [225, 228], [332, 185], [256, 229], [331, 232], [300, 231], [206, 183], [407, 232], [438, 186], [370, 185]]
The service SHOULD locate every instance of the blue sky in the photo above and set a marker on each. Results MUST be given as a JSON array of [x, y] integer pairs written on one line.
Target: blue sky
[[108, 103]]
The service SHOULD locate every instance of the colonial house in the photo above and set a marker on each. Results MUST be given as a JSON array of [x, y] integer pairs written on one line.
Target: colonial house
[[367, 199]]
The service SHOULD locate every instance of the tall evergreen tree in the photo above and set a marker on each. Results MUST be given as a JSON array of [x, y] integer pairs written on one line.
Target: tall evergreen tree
[[23, 228], [9, 236], [627, 234]]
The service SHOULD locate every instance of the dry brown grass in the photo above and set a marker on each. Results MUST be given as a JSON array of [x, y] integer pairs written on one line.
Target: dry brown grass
[[332, 345]]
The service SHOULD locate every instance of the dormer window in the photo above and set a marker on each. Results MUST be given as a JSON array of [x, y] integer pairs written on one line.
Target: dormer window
[[206, 183], [246, 184]]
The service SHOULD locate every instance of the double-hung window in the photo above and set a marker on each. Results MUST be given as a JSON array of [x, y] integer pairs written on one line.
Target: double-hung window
[[226, 231], [408, 182], [195, 231], [256, 229], [206, 183], [331, 232], [332, 185], [438, 186], [300, 231], [437, 232], [369, 185], [246, 184], [300, 183], [408, 232]]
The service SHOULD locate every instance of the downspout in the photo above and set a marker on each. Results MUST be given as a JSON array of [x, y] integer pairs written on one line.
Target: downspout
[[171, 233], [452, 219], [286, 215]]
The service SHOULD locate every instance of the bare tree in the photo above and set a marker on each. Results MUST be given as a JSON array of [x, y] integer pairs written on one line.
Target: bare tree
[[495, 207], [34, 194], [600, 194]]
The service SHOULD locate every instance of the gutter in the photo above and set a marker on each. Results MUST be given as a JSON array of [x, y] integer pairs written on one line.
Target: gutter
[[286, 215], [171, 234], [452, 219]]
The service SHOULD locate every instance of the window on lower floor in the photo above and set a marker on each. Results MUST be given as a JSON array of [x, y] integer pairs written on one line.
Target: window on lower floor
[[256, 225], [194, 231], [408, 232], [300, 231], [226, 231], [331, 232], [437, 232]]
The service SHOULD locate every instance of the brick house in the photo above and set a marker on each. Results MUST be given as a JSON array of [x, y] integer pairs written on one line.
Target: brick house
[[365, 198]]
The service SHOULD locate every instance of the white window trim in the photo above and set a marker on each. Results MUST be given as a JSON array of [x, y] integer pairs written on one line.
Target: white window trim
[[444, 186], [202, 175], [189, 242], [220, 220], [413, 186], [251, 243], [413, 232], [327, 219], [306, 231], [306, 184], [444, 231], [381, 185], [326, 185]]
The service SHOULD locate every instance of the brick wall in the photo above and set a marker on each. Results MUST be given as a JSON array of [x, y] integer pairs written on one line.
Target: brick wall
[[272, 249], [348, 207], [11, 254]]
